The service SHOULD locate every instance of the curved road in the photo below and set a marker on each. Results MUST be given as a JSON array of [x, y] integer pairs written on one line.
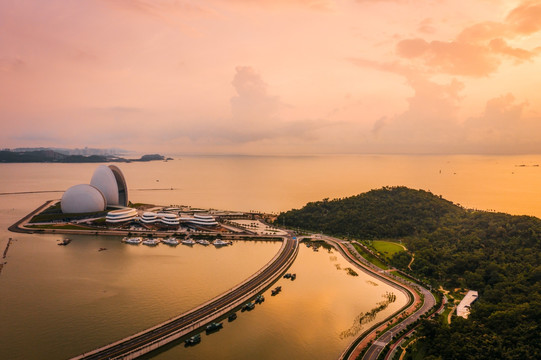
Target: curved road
[[173, 329], [377, 346]]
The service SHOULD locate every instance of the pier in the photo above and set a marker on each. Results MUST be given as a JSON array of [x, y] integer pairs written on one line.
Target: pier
[[175, 328]]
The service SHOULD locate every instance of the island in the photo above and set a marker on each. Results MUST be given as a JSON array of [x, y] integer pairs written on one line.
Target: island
[[51, 156]]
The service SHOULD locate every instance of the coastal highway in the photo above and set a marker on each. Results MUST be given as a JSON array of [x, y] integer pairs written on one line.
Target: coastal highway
[[153, 338], [377, 346]]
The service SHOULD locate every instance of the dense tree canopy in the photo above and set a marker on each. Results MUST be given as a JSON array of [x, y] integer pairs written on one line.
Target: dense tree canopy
[[494, 253]]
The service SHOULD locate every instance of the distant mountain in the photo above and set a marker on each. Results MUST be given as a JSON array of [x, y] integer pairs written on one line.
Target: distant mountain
[[48, 156], [83, 151]]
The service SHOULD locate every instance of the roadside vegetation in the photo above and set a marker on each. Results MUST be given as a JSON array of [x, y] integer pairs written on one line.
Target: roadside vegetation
[[496, 254]]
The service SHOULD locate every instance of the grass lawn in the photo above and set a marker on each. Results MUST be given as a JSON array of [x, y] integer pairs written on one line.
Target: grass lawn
[[370, 257], [387, 248]]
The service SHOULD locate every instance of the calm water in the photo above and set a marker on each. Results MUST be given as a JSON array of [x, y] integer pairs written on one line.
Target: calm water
[[60, 301]]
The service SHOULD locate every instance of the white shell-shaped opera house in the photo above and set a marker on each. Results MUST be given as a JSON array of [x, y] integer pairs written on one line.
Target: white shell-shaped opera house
[[107, 187], [82, 198], [110, 181]]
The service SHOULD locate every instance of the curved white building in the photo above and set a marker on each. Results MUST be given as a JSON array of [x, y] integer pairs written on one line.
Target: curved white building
[[110, 181], [149, 217], [202, 220], [121, 216], [82, 198], [169, 219]]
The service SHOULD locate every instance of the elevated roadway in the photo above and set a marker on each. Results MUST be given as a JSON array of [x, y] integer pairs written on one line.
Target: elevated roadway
[[173, 329]]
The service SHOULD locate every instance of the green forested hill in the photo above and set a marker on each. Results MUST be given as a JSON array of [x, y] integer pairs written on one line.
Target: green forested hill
[[388, 212], [497, 254]]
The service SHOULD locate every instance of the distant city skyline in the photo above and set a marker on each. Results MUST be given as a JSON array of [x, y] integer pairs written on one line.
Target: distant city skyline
[[272, 77]]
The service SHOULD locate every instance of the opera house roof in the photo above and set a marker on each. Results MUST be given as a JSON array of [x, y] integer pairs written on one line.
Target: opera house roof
[[107, 187]]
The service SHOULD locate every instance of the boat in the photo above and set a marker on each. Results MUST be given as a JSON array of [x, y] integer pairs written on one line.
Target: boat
[[213, 326], [188, 241], [196, 339], [151, 242], [220, 242], [287, 276], [232, 317], [171, 241], [259, 299], [102, 249], [203, 242], [276, 290], [132, 240], [293, 277], [248, 307], [64, 242]]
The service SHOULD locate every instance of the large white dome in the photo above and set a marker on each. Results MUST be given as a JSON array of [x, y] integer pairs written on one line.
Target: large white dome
[[82, 198], [110, 181]]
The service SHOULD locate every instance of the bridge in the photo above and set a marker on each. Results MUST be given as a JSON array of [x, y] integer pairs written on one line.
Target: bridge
[[175, 328]]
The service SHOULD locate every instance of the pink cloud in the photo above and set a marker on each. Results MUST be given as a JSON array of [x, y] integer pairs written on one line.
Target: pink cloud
[[526, 18], [453, 57]]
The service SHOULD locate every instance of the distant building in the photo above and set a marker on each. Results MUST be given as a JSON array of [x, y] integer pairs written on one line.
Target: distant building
[[463, 309]]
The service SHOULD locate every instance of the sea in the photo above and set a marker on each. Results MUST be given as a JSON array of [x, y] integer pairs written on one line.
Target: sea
[[61, 301]]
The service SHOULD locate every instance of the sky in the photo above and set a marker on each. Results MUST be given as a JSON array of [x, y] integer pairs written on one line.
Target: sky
[[272, 76]]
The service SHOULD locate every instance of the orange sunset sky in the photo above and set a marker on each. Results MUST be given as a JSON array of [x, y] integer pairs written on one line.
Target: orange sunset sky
[[272, 76]]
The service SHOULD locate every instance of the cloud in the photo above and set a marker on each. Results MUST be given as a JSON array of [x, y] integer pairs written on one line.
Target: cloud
[[156, 7], [519, 55], [453, 57], [526, 18], [478, 50], [324, 5]]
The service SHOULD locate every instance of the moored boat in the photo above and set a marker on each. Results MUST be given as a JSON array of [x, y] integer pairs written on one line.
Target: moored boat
[[151, 242], [212, 327], [132, 240], [220, 242], [196, 339], [170, 241], [276, 290], [188, 241], [248, 307], [232, 317], [203, 242]]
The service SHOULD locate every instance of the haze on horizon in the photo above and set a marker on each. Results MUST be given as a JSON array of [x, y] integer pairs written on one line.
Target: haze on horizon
[[272, 76]]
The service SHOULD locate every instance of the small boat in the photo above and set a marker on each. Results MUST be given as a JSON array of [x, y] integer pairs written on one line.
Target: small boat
[[203, 242], [287, 276], [212, 327], [259, 299], [219, 242], [232, 317], [170, 241], [248, 307], [102, 249], [132, 240], [188, 241], [64, 242], [151, 242], [276, 290], [196, 339], [293, 277]]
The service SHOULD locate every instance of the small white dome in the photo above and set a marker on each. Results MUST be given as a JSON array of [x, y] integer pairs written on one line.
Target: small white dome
[[82, 198]]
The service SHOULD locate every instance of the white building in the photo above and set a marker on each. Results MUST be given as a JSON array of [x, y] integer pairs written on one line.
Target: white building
[[463, 309]]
